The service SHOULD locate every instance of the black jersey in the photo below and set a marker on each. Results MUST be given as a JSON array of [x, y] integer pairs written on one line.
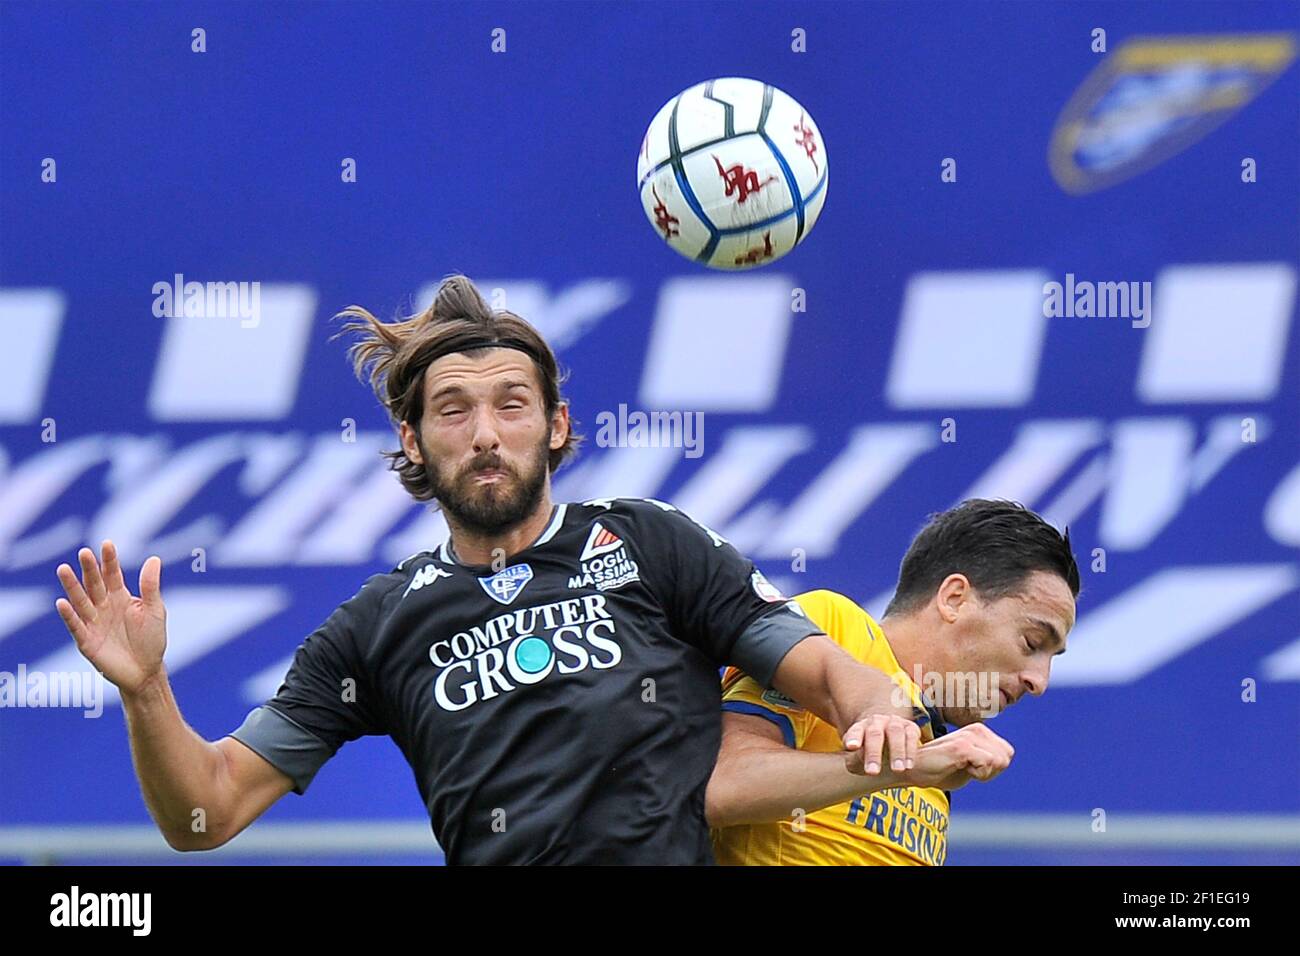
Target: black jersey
[[562, 709]]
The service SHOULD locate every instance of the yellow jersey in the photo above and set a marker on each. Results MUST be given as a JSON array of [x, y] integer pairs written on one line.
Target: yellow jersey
[[901, 826]]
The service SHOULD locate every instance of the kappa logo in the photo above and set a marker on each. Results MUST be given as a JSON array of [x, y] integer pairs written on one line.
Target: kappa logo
[[504, 586], [600, 541], [424, 577], [1155, 96]]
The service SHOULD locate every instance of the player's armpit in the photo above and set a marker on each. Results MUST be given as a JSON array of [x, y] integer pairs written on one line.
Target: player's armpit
[[759, 779]]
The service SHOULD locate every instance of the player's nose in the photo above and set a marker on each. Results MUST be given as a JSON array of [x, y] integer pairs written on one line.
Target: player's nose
[[486, 436], [1034, 682]]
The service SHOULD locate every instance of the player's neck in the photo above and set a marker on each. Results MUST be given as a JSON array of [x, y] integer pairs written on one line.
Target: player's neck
[[906, 637], [474, 548]]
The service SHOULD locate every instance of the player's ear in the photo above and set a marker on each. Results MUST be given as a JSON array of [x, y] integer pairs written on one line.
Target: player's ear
[[954, 591], [560, 426], [409, 445]]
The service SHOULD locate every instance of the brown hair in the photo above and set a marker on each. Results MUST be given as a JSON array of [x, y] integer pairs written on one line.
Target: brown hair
[[392, 357]]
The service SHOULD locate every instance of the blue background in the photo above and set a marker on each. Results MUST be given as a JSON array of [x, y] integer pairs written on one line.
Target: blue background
[[226, 165]]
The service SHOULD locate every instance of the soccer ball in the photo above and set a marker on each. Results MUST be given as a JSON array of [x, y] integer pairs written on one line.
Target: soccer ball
[[732, 173]]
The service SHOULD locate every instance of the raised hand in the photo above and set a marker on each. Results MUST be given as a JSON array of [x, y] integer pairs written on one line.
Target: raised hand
[[122, 635]]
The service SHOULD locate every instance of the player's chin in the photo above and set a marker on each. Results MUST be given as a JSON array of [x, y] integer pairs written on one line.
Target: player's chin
[[965, 716]]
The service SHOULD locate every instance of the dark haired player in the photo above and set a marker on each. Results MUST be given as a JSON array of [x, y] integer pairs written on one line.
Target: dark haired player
[[984, 601], [549, 672]]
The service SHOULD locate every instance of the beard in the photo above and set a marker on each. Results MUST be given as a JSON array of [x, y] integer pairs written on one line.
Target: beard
[[489, 509]]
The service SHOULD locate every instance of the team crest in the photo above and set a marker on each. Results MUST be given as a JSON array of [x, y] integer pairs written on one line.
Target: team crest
[[504, 586], [1155, 96]]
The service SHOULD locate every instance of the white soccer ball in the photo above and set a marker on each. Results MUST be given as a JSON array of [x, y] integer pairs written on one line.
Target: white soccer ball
[[732, 173]]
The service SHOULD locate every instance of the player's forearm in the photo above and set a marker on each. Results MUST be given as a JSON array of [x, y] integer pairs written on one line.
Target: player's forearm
[[768, 785], [179, 771], [856, 690], [835, 687]]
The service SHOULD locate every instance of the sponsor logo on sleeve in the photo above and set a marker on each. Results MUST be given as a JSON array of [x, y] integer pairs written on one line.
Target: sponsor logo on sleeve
[[765, 589]]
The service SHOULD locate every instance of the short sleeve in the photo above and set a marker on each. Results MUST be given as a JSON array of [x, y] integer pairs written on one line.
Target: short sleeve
[[744, 695], [325, 699], [715, 598]]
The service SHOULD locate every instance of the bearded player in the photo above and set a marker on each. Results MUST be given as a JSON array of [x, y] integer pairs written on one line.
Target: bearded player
[[511, 663], [985, 598]]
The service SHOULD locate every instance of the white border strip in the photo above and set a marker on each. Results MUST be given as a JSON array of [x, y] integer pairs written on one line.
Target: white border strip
[[1127, 831], [1276, 832], [50, 843]]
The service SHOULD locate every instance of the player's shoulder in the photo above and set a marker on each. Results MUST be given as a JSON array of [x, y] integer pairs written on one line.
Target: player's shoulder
[[417, 570], [649, 508], [830, 603], [649, 515], [842, 618], [410, 572], [374, 591]]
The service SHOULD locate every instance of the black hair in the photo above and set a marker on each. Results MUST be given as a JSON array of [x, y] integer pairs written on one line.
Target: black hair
[[996, 544]]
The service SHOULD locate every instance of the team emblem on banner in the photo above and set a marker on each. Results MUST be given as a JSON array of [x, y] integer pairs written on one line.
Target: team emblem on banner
[[1155, 96], [504, 586]]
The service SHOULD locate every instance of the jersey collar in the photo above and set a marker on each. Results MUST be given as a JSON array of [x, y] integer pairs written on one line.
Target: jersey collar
[[447, 553]]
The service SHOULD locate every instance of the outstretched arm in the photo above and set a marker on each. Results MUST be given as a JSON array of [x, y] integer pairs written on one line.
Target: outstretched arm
[[180, 773]]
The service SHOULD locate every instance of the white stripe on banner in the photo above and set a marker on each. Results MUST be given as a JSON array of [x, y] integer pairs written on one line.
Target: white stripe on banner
[[968, 339], [1283, 664], [20, 606], [1164, 616], [262, 686], [223, 368], [875, 457], [1041, 453], [1218, 333], [199, 620], [718, 344], [736, 472], [30, 320]]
